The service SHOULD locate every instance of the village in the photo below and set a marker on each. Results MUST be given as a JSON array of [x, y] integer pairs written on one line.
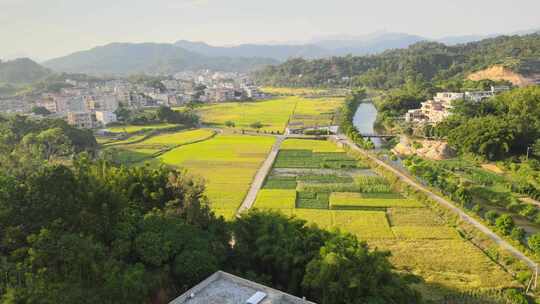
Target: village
[[89, 105]]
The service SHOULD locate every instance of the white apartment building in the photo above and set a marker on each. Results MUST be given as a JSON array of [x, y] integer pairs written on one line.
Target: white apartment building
[[105, 117]]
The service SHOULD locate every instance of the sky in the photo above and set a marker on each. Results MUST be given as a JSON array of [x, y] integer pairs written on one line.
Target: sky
[[44, 29]]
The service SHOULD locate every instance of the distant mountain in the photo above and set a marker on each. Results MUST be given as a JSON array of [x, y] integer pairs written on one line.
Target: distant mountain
[[425, 60], [277, 52], [366, 44], [22, 71], [129, 58]]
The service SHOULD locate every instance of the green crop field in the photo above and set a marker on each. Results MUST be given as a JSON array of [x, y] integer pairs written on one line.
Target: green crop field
[[133, 128], [227, 163], [425, 232], [316, 112], [351, 200], [131, 153], [273, 114], [419, 240], [276, 199], [312, 145]]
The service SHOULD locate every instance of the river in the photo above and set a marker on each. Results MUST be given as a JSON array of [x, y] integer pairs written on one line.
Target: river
[[364, 120]]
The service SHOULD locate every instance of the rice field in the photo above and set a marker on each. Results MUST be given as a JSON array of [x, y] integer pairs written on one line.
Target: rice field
[[227, 163], [316, 112], [365, 205], [133, 128], [128, 152], [276, 199], [272, 114], [352, 200]]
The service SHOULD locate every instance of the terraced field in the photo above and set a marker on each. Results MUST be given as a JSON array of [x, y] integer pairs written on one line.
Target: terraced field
[[365, 205], [227, 163], [129, 152]]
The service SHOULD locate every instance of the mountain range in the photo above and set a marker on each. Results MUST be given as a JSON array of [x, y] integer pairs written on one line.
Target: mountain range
[[168, 58]]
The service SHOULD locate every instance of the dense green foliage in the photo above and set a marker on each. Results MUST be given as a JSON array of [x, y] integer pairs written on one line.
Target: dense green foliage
[[425, 61], [28, 142], [93, 233], [162, 115], [85, 231]]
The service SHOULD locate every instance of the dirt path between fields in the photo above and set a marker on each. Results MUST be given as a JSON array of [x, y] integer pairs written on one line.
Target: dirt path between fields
[[258, 181]]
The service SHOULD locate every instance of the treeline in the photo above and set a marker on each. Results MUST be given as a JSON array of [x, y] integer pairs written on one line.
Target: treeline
[[347, 113], [163, 115], [423, 61], [78, 230]]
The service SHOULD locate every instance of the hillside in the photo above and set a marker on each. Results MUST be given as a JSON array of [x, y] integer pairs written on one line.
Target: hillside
[[499, 72], [277, 52], [429, 61], [129, 58], [21, 71]]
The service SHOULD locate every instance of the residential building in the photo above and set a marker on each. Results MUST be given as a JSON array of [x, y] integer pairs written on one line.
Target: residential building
[[105, 117], [222, 287], [82, 120]]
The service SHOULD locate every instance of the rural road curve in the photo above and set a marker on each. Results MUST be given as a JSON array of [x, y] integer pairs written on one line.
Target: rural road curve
[[258, 181], [498, 240]]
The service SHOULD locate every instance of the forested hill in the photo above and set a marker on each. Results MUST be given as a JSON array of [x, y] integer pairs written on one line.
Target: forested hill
[[426, 61], [21, 71], [132, 58]]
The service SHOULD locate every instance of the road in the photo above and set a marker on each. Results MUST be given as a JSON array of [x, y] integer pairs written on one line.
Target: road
[[258, 181], [465, 217]]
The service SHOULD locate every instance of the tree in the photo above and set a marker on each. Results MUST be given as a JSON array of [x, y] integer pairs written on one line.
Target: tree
[[517, 234], [333, 278], [230, 124], [536, 148], [47, 144], [491, 216], [40, 111], [256, 125], [122, 113], [505, 224], [534, 243], [489, 136]]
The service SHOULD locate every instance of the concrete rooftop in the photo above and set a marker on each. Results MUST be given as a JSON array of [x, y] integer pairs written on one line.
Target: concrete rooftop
[[225, 288]]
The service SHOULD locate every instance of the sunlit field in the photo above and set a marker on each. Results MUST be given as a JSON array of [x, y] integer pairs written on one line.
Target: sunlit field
[[227, 163], [134, 128], [272, 114], [129, 152], [420, 241]]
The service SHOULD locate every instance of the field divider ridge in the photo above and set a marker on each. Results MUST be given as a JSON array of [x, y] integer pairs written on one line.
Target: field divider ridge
[[260, 177]]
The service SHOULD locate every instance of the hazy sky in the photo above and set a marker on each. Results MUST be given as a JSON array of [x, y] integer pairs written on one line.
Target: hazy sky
[[44, 29]]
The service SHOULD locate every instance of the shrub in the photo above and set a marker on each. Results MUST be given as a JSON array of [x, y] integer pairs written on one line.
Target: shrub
[[491, 216], [534, 243], [517, 233], [505, 224], [529, 211]]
